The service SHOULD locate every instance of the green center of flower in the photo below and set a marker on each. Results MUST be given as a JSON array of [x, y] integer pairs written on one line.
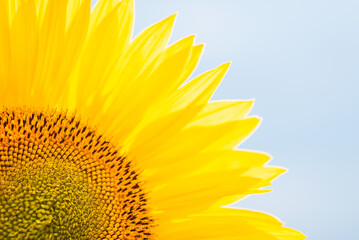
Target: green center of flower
[[51, 200], [59, 180]]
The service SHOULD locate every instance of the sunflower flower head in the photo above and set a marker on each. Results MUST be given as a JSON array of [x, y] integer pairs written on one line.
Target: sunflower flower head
[[103, 137]]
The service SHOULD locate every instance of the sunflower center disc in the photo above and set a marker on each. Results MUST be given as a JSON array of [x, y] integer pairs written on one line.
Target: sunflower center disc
[[59, 180], [49, 200]]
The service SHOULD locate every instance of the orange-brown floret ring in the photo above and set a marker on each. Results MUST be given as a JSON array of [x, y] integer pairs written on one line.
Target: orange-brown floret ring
[[60, 179]]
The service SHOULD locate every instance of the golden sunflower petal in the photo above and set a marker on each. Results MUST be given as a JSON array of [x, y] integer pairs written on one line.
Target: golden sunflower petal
[[99, 54], [266, 176], [4, 49], [234, 133], [142, 50], [75, 38], [174, 113], [115, 77], [73, 7], [11, 8], [204, 162], [222, 111], [191, 141], [41, 6], [4, 40], [195, 193], [220, 134], [199, 90], [228, 224], [192, 62], [50, 54], [162, 78], [227, 159], [198, 190], [23, 37], [166, 74], [104, 7]]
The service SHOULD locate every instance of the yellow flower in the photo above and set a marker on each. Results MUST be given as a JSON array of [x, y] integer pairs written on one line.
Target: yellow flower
[[101, 139]]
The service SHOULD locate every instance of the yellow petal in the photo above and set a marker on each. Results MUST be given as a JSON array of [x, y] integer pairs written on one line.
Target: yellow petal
[[162, 80], [12, 6], [142, 50], [229, 159], [228, 224], [41, 6], [50, 54], [266, 176], [193, 62], [203, 162], [198, 190], [162, 149], [198, 90], [73, 7], [99, 54], [195, 193], [115, 77], [175, 112], [102, 9], [75, 38], [234, 133], [223, 111], [4, 49], [24, 45]]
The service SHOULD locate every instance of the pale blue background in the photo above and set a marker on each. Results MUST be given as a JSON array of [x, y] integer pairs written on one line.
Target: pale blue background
[[299, 59]]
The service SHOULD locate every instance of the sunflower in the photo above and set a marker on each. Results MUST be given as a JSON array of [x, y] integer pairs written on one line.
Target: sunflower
[[102, 137]]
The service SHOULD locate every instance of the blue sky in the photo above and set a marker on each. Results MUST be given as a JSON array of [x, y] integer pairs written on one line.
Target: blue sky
[[299, 59]]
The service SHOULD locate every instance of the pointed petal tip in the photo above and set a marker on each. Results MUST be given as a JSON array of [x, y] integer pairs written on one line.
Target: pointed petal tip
[[227, 64], [201, 46], [282, 170], [250, 103], [188, 40], [172, 17], [223, 67], [270, 157], [168, 21], [256, 118], [301, 235], [192, 37]]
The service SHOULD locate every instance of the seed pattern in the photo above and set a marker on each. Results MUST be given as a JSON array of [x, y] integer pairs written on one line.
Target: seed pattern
[[59, 179]]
